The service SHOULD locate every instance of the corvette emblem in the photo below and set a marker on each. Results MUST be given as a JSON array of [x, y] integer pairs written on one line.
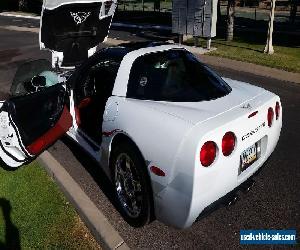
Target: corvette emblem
[[80, 17], [246, 106]]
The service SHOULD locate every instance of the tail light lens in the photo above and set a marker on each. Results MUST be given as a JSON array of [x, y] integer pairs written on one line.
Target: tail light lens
[[277, 110], [208, 153], [157, 171], [270, 116], [228, 143]]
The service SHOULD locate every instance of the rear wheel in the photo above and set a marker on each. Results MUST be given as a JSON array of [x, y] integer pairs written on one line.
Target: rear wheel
[[131, 184]]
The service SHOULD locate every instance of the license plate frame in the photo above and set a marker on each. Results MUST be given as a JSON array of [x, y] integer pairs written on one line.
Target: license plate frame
[[248, 157]]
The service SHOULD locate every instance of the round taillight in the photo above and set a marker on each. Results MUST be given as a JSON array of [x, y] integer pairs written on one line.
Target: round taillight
[[208, 153], [228, 143], [270, 116], [277, 110]]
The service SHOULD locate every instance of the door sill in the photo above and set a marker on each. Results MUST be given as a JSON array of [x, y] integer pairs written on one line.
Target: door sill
[[95, 146]]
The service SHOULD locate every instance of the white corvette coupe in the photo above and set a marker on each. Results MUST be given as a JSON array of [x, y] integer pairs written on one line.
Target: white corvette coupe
[[173, 137]]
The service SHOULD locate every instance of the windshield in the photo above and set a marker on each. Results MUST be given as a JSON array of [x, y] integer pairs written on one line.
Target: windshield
[[174, 75]]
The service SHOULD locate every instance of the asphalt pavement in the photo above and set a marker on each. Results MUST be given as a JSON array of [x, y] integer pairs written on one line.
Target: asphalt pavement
[[273, 203]]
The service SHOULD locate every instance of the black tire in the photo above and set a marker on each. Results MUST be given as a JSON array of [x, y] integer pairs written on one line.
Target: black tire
[[140, 184]]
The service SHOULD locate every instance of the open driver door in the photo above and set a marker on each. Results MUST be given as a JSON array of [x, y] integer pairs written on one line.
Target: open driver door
[[29, 124]]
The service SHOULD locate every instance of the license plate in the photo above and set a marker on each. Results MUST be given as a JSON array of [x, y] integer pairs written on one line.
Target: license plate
[[248, 156]]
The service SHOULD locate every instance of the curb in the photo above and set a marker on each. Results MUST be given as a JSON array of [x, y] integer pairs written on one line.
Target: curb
[[18, 15], [255, 69], [135, 26], [251, 68], [98, 224], [117, 25], [141, 27], [109, 41]]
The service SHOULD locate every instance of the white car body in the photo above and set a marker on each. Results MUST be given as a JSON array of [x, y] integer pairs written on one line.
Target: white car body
[[170, 135]]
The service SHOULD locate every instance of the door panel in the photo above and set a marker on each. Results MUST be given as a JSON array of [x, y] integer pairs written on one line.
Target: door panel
[[36, 113], [48, 138], [32, 123]]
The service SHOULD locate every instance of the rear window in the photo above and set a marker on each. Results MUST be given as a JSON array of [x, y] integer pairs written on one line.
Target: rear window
[[175, 76]]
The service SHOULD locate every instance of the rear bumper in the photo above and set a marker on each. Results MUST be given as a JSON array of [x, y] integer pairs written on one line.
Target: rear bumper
[[189, 197], [230, 197], [197, 210]]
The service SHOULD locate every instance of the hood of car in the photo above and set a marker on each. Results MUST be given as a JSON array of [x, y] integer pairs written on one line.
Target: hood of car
[[72, 29], [196, 112]]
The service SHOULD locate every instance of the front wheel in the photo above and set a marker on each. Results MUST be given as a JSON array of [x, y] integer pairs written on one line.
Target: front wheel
[[131, 184]]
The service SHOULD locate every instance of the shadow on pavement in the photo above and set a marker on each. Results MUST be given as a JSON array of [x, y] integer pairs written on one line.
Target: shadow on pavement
[[12, 235]]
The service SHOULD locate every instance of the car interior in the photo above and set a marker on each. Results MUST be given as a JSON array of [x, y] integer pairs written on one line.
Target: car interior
[[91, 98], [174, 76], [32, 76]]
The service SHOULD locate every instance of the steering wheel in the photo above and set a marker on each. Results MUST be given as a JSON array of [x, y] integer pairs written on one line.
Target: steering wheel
[[36, 83]]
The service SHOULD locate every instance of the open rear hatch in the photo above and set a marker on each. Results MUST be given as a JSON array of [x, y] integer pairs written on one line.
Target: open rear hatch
[[72, 29]]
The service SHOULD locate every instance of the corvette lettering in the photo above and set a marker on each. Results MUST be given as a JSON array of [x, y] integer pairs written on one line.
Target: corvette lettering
[[252, 132]]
